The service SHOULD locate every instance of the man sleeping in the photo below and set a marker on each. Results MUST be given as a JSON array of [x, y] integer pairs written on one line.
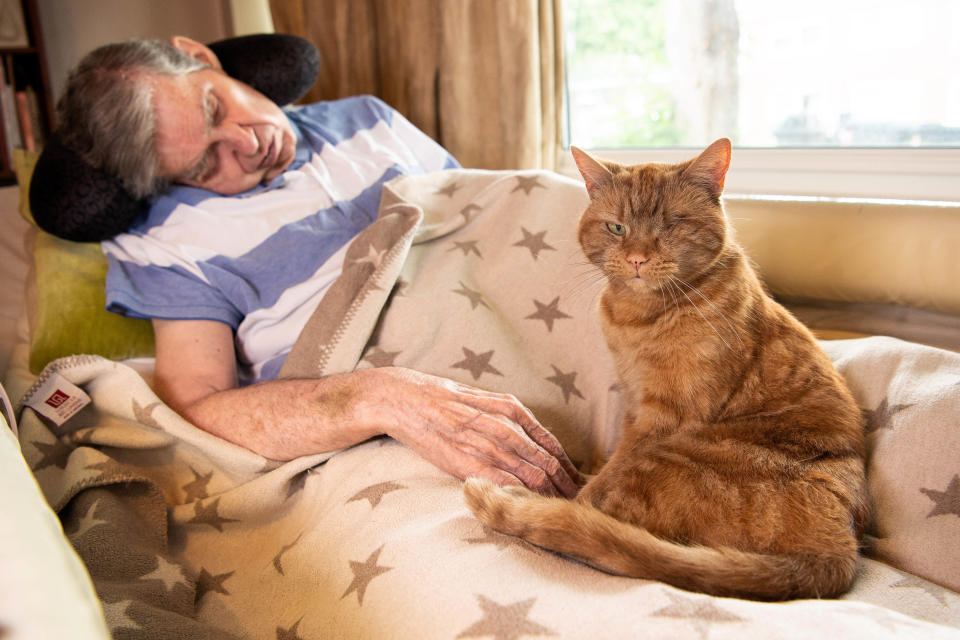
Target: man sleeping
[[252, 207]]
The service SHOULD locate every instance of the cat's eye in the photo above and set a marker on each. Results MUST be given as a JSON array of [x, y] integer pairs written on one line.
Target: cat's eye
[[616, 229]]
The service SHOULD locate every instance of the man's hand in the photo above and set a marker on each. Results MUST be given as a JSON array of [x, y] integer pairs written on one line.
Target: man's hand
[[470, 432]]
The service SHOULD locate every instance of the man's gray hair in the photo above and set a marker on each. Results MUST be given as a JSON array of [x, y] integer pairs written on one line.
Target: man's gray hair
[[106, 112]]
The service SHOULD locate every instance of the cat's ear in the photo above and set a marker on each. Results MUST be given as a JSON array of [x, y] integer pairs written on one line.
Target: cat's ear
[[594, 172], [710, 167]]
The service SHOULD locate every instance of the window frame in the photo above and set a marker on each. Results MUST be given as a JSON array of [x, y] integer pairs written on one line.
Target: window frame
[[909, 174]]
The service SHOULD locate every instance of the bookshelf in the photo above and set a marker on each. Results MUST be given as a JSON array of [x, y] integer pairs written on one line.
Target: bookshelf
[[26, 101]]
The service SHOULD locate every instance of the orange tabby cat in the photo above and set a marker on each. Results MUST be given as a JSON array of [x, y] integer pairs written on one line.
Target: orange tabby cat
[[740, 467]]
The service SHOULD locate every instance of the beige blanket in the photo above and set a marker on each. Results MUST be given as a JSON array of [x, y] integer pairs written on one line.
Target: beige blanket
[[475, 276]]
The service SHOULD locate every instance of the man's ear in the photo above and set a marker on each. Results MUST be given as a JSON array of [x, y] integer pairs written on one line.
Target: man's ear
[[198, 50]]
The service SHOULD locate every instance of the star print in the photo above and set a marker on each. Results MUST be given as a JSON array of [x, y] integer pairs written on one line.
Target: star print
[[505, 622], [363, 574], [698, 610], [289, 634], [913, 582], [468, 247], [54, 454], [115, 613], [377, 357], [168, 573], [369, 285], [208, 515], [882, 416], [89, 520], [373, 256], [475, 297], [144, 415], [208, 582], [528, 184], [105, 466], [277, 558], [534, 242], [468, 211], [476, 364], [448, 190], [566, 384], [946, 502], [83, 436], [374, 494], [497, 539], [196, 489], [548, 313]]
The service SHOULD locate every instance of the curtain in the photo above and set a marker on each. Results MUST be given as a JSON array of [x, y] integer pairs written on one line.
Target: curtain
[[482, 77]]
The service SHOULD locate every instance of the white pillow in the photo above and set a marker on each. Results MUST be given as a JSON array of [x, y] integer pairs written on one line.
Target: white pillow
[[47, 592]]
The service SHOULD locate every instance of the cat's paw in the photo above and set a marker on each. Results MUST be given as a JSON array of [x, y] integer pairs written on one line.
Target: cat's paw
[[493, 505]]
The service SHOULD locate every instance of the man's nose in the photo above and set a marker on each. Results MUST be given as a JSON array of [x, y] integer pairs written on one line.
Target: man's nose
[[243, 140]]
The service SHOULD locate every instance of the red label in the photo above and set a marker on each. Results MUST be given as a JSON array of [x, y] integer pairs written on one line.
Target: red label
[[57, 398]]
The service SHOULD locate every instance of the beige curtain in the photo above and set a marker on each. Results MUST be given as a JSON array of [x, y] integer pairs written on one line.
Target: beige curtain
[[482, 77]]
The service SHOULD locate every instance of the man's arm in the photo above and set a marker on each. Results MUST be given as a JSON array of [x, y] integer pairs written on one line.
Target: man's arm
[[462, 430]]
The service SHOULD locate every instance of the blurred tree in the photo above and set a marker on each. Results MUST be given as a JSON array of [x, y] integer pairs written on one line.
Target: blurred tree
[[616, 54]]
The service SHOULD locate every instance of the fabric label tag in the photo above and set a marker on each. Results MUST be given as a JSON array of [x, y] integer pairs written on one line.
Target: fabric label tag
[[6, 411], [58, 399]]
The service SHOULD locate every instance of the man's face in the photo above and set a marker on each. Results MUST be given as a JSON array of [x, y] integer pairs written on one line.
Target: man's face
[[217, 133]]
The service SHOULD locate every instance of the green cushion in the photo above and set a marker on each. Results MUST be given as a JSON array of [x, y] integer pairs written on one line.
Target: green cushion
[[70, 315]]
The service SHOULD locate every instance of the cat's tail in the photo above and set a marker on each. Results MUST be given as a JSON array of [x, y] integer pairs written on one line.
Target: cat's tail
[[586, 533]]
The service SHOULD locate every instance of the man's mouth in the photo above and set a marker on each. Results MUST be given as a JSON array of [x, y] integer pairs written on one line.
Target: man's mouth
[[270, 157]]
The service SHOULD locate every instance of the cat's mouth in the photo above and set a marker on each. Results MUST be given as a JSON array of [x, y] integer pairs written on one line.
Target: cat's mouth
[[639, 283]]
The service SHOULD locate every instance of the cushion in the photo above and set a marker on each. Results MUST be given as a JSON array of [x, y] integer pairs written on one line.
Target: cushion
[[39, 565], [68, 314]]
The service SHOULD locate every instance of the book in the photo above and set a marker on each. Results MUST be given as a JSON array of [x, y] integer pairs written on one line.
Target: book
[[26, 124], [8, 110], [36, 118]]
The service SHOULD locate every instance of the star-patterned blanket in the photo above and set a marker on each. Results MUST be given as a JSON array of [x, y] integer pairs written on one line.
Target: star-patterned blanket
[[475, 276]]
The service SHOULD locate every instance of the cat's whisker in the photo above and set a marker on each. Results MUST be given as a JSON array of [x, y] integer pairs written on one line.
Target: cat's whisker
[[720, 313], [672, 286], [662, 296], [583, 282], [694, 304], [605, 279]]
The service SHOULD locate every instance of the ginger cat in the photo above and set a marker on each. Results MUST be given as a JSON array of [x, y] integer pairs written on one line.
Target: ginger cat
[[740, 466]]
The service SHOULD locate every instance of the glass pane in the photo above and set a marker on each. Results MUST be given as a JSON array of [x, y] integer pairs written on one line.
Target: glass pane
[[766, 73]]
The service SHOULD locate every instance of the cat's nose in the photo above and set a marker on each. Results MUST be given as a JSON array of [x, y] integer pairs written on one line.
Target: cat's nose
[[636, 261]]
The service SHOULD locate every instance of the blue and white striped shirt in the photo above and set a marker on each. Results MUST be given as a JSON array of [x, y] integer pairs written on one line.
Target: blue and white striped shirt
[[260, 261]]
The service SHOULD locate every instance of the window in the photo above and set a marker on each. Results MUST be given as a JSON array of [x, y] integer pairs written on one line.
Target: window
[[823, 97]]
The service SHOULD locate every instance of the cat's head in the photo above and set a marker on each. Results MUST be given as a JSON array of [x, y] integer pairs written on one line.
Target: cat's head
[[648, 223]]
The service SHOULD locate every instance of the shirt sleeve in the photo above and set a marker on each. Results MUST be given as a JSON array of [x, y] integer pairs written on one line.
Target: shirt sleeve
[[168, 292]]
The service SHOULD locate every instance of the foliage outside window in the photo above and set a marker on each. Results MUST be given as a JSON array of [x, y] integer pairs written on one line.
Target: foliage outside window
[[766, 73]]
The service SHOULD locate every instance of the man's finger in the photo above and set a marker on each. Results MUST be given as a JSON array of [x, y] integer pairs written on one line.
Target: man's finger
[[511, 408], [550, 443], [508, 444]]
